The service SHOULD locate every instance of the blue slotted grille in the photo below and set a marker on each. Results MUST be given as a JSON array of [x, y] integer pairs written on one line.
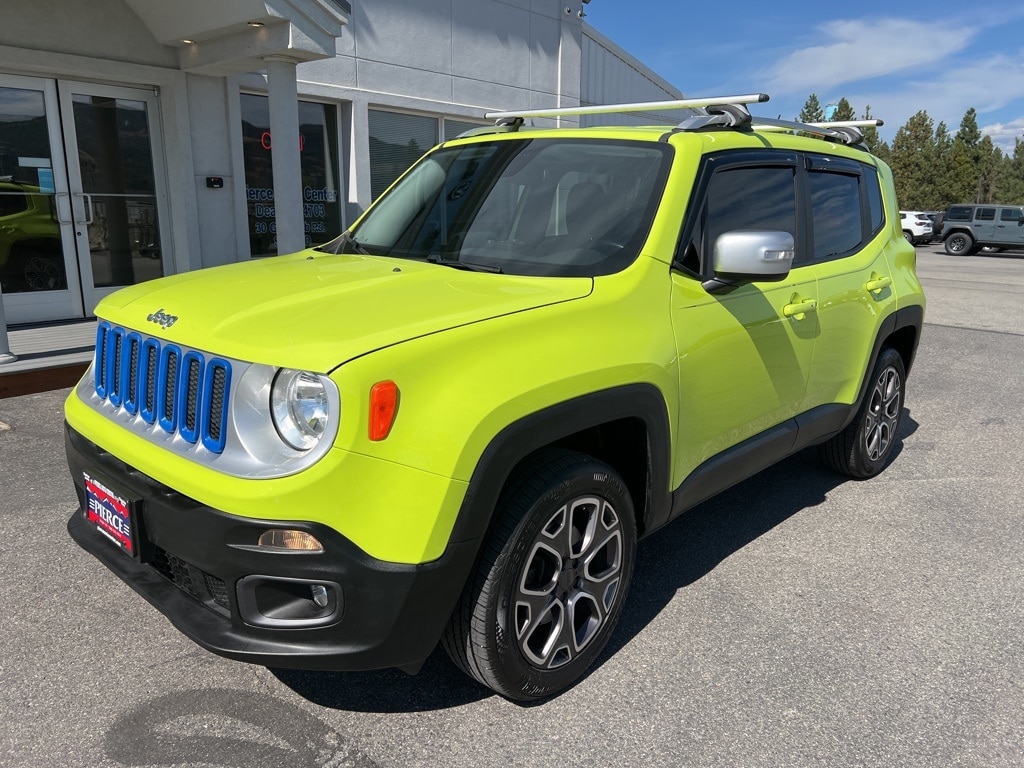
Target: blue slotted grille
[[178, 392]]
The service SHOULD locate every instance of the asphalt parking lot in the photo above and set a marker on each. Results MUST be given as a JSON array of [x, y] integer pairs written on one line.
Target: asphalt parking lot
[[799, 619]]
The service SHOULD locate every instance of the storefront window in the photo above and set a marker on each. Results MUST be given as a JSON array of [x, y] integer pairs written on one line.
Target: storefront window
[[318, 145], [453, 128], [397, 140]]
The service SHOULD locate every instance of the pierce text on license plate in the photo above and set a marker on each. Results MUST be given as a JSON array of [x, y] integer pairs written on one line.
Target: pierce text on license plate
[[109, 512]]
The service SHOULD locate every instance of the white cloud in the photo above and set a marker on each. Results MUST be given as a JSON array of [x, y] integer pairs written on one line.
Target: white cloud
[[855, 50], [1005, 135], [950, 93]]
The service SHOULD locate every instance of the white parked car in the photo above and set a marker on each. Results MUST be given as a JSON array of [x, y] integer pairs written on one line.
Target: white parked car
[[917, 227]]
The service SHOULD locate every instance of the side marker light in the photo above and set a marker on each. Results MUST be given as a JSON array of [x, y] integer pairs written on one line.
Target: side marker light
[[383, 408]]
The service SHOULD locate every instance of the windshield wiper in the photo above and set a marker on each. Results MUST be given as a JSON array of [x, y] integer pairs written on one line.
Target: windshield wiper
[[436, 258]]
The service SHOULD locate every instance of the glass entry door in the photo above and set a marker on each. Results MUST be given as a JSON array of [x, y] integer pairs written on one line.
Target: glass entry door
[[81, 195], [38, 259]]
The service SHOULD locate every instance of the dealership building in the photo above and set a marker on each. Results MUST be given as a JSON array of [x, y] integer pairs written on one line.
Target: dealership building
[[141, 138]]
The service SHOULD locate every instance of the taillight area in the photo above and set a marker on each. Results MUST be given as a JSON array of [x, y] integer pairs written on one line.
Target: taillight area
[[384, 396]]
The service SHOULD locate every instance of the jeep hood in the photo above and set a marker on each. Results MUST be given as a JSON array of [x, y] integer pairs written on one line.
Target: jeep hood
[[314, 311]]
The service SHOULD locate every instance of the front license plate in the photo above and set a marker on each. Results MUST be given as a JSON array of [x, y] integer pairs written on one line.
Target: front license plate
[[111, 513]]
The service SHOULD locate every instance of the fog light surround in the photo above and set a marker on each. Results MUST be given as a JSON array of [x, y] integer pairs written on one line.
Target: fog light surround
[[278, 602]]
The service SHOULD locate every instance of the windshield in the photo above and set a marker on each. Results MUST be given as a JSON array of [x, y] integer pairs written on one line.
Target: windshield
[[565, 207]]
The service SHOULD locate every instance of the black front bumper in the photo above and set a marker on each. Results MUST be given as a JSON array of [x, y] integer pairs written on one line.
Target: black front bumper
[[199, 567]]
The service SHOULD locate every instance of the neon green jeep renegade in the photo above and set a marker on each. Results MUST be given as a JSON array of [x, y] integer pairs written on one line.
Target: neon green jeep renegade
[[453, 423]]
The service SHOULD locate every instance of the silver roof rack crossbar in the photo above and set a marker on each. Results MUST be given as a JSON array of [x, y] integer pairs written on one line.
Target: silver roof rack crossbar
[[643, 106], [709, 112], [844, 131]]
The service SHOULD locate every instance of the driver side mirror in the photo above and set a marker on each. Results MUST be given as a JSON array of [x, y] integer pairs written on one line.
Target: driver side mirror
[[749, 255]]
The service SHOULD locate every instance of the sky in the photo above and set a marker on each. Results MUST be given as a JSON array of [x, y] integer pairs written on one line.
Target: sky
[[898, 58]]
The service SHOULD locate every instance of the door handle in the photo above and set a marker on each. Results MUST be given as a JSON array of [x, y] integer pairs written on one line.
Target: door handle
[[86, 207], [876, 284], [800, 308], [64, 204]]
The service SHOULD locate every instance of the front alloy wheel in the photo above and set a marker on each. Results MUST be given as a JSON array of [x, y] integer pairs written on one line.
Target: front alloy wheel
[[569, 582], [552, 580]]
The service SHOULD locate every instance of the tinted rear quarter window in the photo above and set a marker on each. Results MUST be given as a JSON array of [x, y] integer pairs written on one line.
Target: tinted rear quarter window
[[959, 213]]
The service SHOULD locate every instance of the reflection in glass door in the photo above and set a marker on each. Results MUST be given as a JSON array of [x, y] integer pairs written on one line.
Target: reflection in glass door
[[81, 195], [38, 261], [116, 187]]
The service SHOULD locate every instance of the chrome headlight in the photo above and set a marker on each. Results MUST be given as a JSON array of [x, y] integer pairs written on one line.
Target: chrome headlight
[[300, 407]]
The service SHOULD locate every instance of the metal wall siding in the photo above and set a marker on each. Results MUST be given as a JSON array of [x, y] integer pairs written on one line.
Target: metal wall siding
[[611, 76]]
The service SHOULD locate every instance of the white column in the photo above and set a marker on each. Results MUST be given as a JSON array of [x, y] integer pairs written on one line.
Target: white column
[[284, 135], [5, 347]]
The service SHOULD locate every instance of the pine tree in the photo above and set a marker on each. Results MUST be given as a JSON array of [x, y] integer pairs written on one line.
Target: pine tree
[[1012, 176], [812, 111], [913, 161], [844, 111], [965, 165], [941, 169], [990, 160], [963, 173], [969, 132], [876, 146]]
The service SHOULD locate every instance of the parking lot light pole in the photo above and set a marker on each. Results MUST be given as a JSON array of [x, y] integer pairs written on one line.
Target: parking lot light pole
[[5, 348]]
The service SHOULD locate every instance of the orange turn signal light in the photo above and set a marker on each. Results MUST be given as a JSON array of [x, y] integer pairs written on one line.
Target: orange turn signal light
[[383, 408], [292, 541]]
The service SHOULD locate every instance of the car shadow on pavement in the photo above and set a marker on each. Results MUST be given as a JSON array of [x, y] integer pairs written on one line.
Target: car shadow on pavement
[[695, 543], [439, 685], [674, 557]]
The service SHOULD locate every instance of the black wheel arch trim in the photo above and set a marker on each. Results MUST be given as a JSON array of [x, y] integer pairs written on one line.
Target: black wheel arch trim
[[549, 425]]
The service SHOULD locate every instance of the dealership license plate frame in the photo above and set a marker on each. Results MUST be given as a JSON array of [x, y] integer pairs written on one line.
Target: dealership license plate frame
[[122, 510]]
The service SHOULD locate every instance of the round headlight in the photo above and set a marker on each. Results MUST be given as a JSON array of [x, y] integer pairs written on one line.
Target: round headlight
[[298, 402]]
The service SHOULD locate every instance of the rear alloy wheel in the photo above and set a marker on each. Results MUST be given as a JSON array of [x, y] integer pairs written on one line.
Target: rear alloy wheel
[[863, 448], [552, 580], [959, 244], [909, 236]]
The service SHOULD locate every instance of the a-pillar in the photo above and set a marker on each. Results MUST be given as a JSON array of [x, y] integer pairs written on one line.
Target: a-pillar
[[284, 132]]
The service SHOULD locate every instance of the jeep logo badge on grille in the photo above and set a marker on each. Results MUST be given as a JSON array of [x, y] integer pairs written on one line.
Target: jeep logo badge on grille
[[162, 319]]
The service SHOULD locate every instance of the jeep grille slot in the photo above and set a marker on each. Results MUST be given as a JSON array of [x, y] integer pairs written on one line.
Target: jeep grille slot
[[130, 386], [167, 386], [179, 391]]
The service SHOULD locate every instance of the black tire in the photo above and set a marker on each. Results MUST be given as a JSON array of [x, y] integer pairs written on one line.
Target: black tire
[[552, 578], [908, 236], [863, 449], [959, 244]]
